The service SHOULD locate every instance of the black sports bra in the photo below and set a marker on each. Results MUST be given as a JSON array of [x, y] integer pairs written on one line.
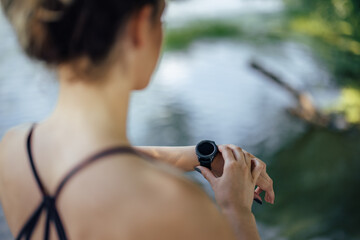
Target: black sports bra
[[48, 203]]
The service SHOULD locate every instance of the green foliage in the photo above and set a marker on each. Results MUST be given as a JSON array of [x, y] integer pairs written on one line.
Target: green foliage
[[333, 30], [349, 105], [180, 38]]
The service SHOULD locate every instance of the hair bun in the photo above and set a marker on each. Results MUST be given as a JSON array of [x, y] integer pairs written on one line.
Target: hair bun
[[56, 31]]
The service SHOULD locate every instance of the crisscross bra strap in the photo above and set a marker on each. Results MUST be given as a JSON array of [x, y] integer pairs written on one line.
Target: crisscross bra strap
[[80, 166], [49, 202]]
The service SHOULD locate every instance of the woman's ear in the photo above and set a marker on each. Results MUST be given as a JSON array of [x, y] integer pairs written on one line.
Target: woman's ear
[[140, 26]]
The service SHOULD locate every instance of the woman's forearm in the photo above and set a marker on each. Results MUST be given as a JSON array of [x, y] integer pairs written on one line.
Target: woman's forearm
[[180, 157], [243, 223]]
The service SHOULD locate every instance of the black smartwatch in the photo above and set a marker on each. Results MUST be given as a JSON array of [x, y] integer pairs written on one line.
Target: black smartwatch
[[206, 151]]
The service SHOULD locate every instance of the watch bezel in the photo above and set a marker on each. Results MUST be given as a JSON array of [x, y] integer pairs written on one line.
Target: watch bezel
[[206, 158]]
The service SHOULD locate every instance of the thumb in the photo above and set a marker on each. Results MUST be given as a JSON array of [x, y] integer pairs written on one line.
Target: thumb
[[256, 170], [208, 175]]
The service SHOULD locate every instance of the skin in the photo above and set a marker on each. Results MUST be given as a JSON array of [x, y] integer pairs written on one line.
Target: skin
[[123, 196]]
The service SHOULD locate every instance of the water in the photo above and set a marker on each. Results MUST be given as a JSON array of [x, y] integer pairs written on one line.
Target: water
[[208, 91], [183, 11]]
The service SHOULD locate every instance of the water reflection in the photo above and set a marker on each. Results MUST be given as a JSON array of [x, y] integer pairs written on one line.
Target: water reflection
[[224, 99]]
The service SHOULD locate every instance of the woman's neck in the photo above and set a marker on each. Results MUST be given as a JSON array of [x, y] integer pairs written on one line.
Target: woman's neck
[[96, 108]]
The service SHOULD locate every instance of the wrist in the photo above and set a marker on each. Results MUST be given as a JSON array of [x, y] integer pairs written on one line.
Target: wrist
[[242, 221], [240, 211], [187, 159], [194, 158]]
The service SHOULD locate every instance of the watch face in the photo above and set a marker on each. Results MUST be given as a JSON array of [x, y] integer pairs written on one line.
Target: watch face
[[206, 148]]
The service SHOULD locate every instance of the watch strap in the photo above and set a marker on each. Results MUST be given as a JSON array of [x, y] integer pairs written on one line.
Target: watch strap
[[205, 163]]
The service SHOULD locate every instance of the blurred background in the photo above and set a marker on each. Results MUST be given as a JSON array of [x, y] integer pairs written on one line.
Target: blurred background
[[280, 78]]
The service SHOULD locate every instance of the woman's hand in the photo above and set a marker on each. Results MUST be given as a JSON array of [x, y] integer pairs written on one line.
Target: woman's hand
[[264, 182], [235, 188]]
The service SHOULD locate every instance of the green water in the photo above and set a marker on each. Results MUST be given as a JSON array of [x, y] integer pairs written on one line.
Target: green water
[[316, 179]]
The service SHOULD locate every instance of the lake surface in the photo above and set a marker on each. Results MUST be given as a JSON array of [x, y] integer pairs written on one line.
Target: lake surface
[[207, 91]]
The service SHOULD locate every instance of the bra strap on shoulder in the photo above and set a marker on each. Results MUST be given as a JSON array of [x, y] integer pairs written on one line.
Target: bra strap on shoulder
[[31, 159], [88, 161]]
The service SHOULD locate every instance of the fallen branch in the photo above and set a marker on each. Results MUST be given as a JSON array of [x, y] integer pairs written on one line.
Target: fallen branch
[[305, 109]]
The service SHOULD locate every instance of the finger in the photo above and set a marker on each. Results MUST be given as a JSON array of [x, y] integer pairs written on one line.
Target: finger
[[253, 156], [265, 178], [259, 160], [227, 154], [270, 196], [208, 175], [256, 171], [257, 198], [265, 182], [258, 190], [269, 187], [266, 186], [263, 174], [247, 158], [238, 153]]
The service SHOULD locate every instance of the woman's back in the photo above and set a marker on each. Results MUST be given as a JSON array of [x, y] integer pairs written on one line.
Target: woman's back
[[119, 196]]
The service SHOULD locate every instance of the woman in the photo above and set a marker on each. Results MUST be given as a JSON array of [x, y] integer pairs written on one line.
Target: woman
[[77, 176]]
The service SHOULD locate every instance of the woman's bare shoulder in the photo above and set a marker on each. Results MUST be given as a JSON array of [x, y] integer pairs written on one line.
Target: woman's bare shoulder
[[141, 201], [13, 142], [11, 147], [14, 134], [191, 213]]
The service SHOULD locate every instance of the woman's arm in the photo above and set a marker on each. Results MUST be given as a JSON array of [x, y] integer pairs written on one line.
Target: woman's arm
[[181, 157], [185, 159]]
